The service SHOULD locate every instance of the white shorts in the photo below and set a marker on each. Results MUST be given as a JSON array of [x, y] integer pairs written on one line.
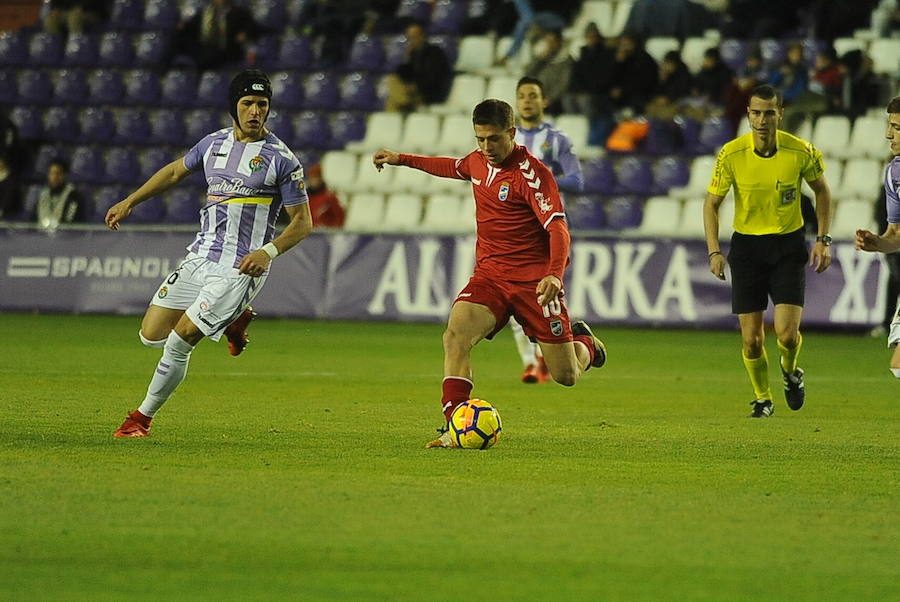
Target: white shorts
[[212, 295]]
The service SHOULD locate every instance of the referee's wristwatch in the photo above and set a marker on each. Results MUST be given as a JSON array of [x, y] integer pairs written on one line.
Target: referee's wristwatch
[[825, 239]]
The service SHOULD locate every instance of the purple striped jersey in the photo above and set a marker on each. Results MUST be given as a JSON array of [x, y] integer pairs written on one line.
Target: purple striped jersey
[[892, 190], [248, 182], [554, 149]]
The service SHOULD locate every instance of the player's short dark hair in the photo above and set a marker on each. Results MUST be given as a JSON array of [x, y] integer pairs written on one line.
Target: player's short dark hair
[[62, 163], [894, 105], [530, 80], [493, 112], [766, 92]]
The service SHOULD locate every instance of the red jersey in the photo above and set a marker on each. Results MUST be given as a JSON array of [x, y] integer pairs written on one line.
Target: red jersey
[[514, 205]]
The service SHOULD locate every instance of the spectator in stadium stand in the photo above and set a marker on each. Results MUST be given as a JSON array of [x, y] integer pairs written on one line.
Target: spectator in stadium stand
[[530, 22], [12, 151], [324, 205], [217, 35], [675, 81], [863, 88], [59, 202], [333, 24], [521, 251], [553, 66], [423, 79], [591, 75], [635, 75], [10, 193], [826, 85], [251, 174], [791, 77], [75, 16]]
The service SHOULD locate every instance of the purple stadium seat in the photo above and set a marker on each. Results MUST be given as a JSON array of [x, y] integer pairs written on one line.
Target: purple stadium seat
[[183, 205], [668, 173], [734, 53], [45, 49], [61, 124], [28, 121], [105, 87], [624, 212], [160, 14], [773, 52], [419, 10], [13, 48], [690, 134], [714, 132], [202, 122], [599, 177], [122, 167], [42, 158], [179, 88], [271, 14], [287, 90], [142, 87], [126, 14], [394, 51], [104, 198], [70, 87], [8, 87], [29, 203], [321, 90], [811, 49], [448, 44], [151, 211], [131, 126], [279, 123], [150, 48], [347, 127], [116, 49], [34, 87], [167, 127], [212, 90], [447, 16], [295, 53], [585, 212], [87, 165], [151, 160], [662, 138], [634, 176], [267, 48], [96, 123], [81, 50], [358, 93], [366, 54], [311, 130]]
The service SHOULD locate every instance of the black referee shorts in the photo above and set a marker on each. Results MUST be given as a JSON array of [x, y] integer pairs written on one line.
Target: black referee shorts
[[768, 265]]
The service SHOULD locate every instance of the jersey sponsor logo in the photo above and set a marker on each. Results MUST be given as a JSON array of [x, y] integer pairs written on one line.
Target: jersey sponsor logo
[[542, 202], [255, 164], [504, 191]]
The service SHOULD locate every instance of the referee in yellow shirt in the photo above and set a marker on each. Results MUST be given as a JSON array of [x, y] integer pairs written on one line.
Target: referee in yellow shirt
[[768, 253]]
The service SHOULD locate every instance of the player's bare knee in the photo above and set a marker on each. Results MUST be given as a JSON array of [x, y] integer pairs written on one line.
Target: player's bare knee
[[453, 341], [753, 347]]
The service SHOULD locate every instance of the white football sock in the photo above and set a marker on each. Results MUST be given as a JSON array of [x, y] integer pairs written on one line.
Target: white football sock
[[170, 371], [895, 372], [159, 344], [523, 343]]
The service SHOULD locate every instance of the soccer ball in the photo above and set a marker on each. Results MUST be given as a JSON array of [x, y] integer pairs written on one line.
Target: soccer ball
[[475, 424]]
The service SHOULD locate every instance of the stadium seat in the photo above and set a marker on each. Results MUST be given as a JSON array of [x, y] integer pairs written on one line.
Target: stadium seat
[[81, 50], [862, 179], [160, 14], [689, 132], [13, 48], [151, 211], [420, 132], [357, 92], [726, 217], [394, 51], [45, 49], [456, 137], [599, 12], [295, 52], [122, 167], [867, 138], [773, 52], [466, 91], [280, 123], [104, 198], [661, 216], [714, 132], [142, 87], [468, 222], [834, 173], [126, 14], [447, 43], [885, 54], [183, 206], [70, 87], [86, 165], [312, 130], [734, 53], [42, 158], [690, 225], [131, 126], [599, 177], [585, 212], [831, 135], [29, 203], [95, 125], [624, 212], [414, 181], [418, 10], [633, 176], [106, 87], [447, 17], [577, 128], [9, 94], [212, 86], [150, 48], [339, 169], [270, 14], [442, 213], [383, 130], [369, 179], [167, 127], [502, 87], [287, 90], [403, 212], [365, 212], [151, 160], [178, 88], [266, 52], [692, 52], [199, 123], [663, 138], [29, 122], [366, 54], [347, 127], [851, 215], [475, 54], [321, 90], [34, 87], [116, 49], [62, 122], [658, 46], [700, 173], [843, 45], [670, 172]]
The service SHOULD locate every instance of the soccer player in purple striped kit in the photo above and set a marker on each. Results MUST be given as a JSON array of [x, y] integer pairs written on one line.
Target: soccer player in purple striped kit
[[251, 174]]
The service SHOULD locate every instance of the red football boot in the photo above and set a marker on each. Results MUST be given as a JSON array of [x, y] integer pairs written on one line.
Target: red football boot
[[135, 425], [236, 332]]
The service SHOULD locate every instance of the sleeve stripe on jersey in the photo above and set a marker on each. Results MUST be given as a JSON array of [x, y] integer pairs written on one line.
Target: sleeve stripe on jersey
[[456, 167], [552, 217]]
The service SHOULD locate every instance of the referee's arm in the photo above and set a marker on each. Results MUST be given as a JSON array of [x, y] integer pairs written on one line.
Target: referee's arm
[[711, 227], [820, 257]]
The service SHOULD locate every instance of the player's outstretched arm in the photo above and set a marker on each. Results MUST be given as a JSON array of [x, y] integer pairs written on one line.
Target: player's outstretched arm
[[888, 242], [385, 156], [159, 182]]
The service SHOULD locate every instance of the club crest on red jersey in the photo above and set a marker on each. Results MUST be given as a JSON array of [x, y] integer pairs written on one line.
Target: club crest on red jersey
[[504, 191]]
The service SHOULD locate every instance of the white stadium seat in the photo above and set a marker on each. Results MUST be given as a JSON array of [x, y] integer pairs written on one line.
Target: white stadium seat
[[851, 215], [402, 213], [420, 132], [457, 138], [476, 54], [442, 213], [365, 212], [658, 46], [862, 179], [701, 172], [885, 53], [369, 179], [407, 179], [831, 135], [692, 52], [844, 45], [466, 92], [690, 225], [661, 216], [867, 138], [339, 169], [576, 127], [502, 87], [383, 130]]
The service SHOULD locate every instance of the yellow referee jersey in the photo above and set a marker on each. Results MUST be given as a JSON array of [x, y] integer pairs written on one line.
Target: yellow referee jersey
[[766, 189]]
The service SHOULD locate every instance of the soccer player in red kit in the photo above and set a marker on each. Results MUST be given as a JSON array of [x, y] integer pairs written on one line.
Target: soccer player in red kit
[[521, 252]]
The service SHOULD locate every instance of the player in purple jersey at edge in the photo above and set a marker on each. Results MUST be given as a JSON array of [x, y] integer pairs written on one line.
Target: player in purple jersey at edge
[[554, 149], [251, 174], [889, 242]]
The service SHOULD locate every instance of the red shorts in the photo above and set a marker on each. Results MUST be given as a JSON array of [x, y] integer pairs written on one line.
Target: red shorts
[[548, 324]]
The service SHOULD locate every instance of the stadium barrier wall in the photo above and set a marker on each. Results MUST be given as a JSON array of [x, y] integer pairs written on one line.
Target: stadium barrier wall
[[340, 275]]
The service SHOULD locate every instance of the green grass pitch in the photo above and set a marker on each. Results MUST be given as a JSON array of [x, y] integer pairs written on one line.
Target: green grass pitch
[[297, 471]]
